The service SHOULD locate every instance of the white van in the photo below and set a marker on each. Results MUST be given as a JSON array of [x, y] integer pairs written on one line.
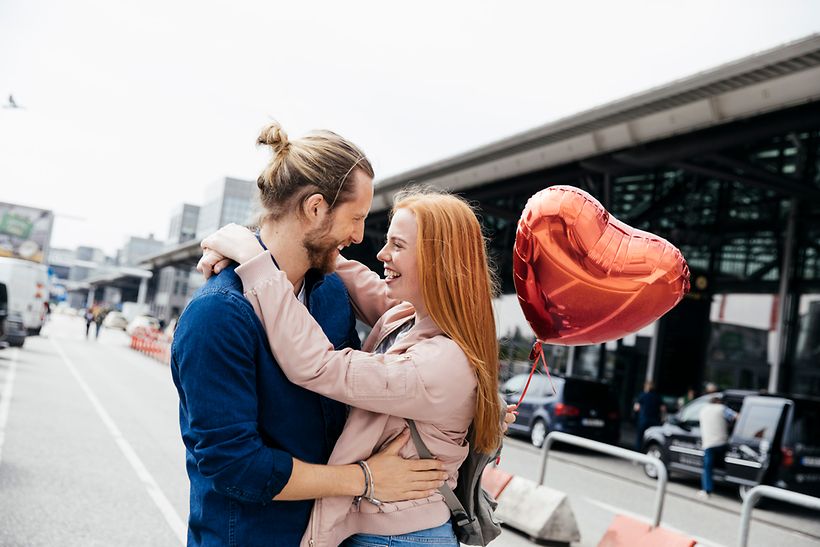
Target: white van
[[27, 286]]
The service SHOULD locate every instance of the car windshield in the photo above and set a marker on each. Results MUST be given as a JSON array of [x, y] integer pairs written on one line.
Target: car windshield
[[515, 384], [540, 386], [806, 424], [758, 422], [690, 414]]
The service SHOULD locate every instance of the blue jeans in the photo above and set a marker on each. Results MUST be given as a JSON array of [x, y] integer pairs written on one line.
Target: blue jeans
[[710, 456], [440, 535]]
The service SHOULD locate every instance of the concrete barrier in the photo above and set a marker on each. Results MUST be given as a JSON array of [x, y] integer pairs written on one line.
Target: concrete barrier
[[541, 512]]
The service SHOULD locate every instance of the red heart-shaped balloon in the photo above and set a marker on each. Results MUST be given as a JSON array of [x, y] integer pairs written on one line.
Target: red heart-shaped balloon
[[584, 277]]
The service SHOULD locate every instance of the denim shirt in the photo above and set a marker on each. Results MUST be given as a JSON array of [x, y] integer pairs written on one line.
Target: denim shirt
[[242, 421]]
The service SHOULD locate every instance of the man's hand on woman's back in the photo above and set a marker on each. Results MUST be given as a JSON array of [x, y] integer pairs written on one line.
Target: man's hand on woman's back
[[396, 478]]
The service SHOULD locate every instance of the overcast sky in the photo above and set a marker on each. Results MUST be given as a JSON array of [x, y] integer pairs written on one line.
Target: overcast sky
[[133, 107]]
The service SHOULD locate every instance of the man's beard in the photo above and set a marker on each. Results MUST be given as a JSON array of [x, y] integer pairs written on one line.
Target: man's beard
[[321, 248]]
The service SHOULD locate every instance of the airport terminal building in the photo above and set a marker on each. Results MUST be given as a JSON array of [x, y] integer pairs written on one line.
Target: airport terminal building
[[725, 164]]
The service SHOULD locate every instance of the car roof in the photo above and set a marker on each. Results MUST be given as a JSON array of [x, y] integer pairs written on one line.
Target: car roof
[[743, 393]]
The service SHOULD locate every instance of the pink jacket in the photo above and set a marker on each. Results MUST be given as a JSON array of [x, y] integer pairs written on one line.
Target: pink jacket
[[425, 376]]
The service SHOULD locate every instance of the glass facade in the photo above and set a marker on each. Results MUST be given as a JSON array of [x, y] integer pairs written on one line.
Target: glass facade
[[725, 197]]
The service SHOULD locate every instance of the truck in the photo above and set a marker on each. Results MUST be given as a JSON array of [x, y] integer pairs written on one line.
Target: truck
[[27, 291]]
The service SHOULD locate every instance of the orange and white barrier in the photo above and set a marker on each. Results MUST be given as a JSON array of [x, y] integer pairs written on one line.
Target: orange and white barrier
[[628, 532], [152, 343]]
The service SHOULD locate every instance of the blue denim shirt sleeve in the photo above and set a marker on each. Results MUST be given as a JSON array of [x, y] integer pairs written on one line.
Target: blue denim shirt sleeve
[[215, 372]]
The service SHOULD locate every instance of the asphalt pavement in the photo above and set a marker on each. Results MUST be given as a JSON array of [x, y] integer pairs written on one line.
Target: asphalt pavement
[[90, 454]]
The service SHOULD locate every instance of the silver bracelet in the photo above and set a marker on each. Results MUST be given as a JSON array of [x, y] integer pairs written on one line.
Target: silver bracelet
[[366, 479], [369, 496]]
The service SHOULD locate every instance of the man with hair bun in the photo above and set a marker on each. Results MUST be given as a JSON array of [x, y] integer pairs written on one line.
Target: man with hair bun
[[256, 444]]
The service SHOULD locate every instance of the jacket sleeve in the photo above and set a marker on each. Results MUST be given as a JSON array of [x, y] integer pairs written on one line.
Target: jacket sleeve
[[368, 291], [214, 369], [418, 384]]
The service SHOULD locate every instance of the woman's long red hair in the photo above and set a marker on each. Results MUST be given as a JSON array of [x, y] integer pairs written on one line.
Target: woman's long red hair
[[458, 287]]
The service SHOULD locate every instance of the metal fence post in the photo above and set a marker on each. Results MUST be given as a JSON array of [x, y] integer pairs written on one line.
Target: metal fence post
[[763, 491], [557, 436]]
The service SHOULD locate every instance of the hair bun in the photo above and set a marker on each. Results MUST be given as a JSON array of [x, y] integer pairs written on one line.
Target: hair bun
[[274, 136]]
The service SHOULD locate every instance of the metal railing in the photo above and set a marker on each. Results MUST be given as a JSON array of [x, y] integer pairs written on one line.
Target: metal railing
[[764, 491], [557, 436]]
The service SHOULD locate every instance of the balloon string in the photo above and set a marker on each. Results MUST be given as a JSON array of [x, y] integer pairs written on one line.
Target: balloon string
[[537, 354]]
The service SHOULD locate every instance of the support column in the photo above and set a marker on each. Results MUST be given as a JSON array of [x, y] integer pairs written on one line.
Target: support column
[[142, 296], [89, 300], [653, 351], [783, 327], [570, 360], [602, 351]]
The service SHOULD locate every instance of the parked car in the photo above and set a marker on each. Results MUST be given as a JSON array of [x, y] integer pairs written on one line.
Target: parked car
[[115, 320], [582, 407], [775, 441], [142, 321]]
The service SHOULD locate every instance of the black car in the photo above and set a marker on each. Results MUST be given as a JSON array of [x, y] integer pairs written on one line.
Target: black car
[[582, 407], [775, 440]]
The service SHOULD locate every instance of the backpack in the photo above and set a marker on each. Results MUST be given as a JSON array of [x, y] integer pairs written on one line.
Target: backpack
[[470, 505]]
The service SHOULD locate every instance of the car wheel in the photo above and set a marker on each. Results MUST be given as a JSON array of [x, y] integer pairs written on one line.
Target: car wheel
[[653, 450], [538, 432]]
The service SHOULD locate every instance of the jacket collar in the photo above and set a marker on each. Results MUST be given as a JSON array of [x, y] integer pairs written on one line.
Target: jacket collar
[[395, 318]]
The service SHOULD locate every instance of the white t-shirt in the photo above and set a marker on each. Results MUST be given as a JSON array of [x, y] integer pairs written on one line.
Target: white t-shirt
[[714, 424], [395, 336]]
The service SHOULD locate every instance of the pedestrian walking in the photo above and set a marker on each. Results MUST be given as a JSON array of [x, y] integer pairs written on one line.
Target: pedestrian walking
[[89, 318], [99, 316], [648, 407]]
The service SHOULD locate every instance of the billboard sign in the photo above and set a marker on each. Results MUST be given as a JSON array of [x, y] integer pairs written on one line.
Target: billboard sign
[[25, 232]]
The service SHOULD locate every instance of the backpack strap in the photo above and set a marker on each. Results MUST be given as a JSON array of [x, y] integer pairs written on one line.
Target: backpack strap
[[456, 509]]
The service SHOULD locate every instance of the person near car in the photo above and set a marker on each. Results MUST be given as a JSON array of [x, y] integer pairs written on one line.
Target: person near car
[[715, 418], [46, 312], [648, 407], [686, 399]]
